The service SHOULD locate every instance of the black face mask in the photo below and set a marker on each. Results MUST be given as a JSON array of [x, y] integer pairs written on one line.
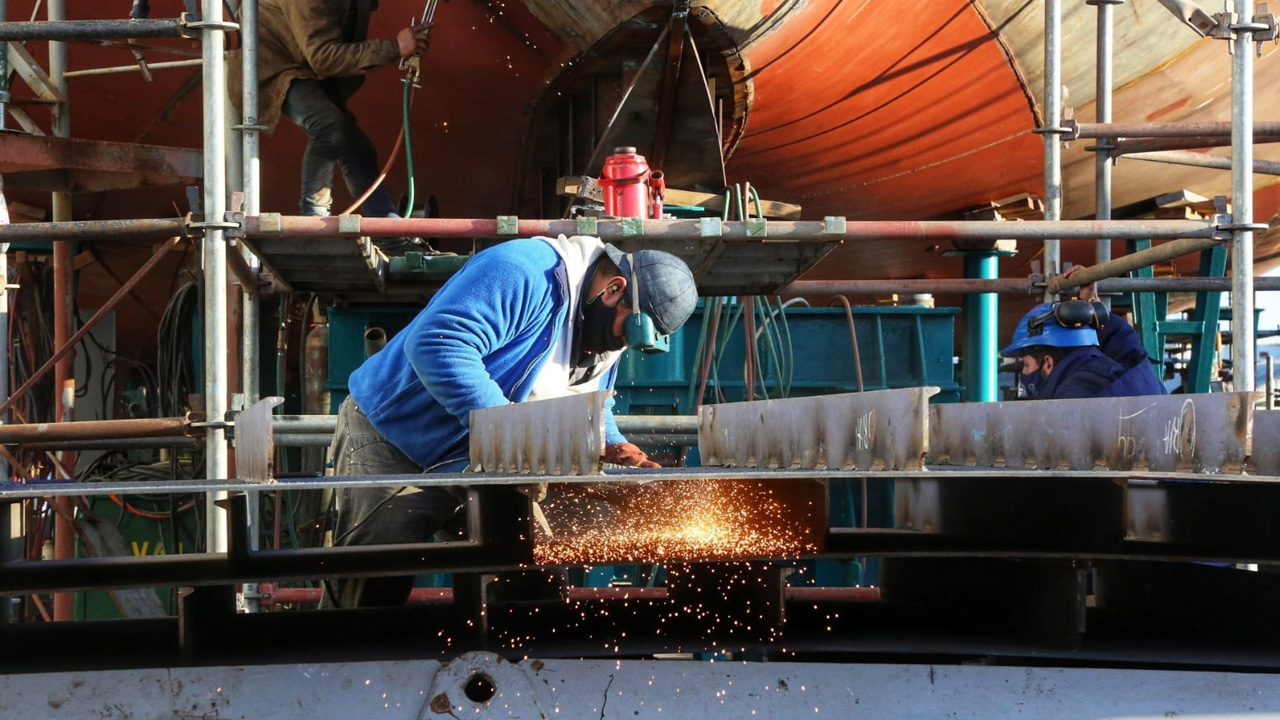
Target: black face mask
[[595, 327]]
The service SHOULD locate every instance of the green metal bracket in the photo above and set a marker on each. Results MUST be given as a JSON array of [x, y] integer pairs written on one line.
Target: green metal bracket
[[758, 228], [417, 265], [508, 225], [1213, 263], [632, 227], [710, 227], [587, 226], [834, 225], [349, 224]]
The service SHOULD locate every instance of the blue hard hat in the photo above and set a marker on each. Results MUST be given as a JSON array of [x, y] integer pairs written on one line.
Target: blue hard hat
[[1039, 327]]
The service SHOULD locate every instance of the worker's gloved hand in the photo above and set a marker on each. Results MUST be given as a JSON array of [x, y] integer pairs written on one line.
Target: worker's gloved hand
[[628, 455], [413, 40]]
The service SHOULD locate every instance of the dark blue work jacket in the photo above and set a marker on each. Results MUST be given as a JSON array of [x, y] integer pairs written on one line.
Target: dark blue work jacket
[[1087, 373]]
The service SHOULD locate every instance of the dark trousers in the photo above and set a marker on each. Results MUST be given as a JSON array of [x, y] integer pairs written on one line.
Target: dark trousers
[[334, 140], [382, 515]]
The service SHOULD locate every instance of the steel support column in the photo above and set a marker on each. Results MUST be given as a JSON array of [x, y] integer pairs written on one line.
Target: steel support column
[[981, 329], [214, 207], [1051, 129]]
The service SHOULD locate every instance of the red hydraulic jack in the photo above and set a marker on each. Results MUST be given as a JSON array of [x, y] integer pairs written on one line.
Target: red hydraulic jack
[[631, 189]]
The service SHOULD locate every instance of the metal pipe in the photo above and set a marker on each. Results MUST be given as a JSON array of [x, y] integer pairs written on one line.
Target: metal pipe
[[119, 69], [94, 230], [94, 429], [63, 30], [981, 334], [1168, 130], [1132, 261], [214, 205], [1051, 130], [64, 538], [1242, 128], [252, 168], [1126, 146], [1205, 160], [88, 325], [1102, 111], [734, 231], [1010, 286]]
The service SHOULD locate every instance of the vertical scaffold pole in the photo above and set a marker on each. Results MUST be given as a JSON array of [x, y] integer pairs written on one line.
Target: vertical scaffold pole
[[1051, 131], [215, 267], [1242, 342], [252, 188], [64, 538], [1102, 104]]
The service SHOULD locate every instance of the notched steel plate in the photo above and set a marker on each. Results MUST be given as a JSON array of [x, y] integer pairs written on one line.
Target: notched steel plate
[[880, 430], [1203, 433], [255, 448], [561, 436]]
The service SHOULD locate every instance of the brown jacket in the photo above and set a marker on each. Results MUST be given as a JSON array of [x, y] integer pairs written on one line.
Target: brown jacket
[[309, 39]]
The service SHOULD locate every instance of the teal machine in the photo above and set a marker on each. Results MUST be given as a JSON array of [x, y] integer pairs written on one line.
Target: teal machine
[[798, 350]]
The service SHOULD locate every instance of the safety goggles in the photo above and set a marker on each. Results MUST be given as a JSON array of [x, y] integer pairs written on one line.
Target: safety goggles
[[641, 333], [1072, 314]]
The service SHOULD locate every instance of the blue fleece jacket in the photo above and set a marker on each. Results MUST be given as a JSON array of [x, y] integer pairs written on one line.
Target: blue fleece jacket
[[479, 343]]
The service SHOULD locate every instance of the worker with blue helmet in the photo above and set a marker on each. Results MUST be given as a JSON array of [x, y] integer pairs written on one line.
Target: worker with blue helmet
[[1058, 346]]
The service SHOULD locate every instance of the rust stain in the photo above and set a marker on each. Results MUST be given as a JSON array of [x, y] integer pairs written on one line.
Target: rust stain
[[440, 704], [1167, 109]]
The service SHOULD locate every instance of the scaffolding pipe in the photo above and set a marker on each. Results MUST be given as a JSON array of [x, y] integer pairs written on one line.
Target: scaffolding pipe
[[1051, 131], [1242, 129], [1170, 130], [93, 230], [70, 30], [252, 184], [94, 429], [1125, 146], [778, 230], [1127, 263], [64, 537], [1204, 160], [1102, 111], [214, 206], [119, 69], [1010, 286], [4, 314]]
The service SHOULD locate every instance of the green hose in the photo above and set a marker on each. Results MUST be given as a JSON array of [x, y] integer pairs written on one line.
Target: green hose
[[408, 148]]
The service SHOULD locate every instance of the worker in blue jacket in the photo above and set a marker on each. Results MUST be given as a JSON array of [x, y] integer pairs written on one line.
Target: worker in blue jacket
[[1062, 357], [524, 320]]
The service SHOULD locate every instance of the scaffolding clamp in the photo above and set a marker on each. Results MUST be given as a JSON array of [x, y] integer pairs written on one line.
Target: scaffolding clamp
[[508, 225], [186, 23]]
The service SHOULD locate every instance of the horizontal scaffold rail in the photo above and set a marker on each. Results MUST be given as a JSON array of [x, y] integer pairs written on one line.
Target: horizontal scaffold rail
[[1011, 286], [832, 229], [91, 29], [750, 231]]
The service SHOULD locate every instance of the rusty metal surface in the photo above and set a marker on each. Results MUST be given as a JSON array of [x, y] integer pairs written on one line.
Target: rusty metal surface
[[255, 448], [880, 430], [75, 165], [1266, 451], [560, 436], [1209, 433]]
